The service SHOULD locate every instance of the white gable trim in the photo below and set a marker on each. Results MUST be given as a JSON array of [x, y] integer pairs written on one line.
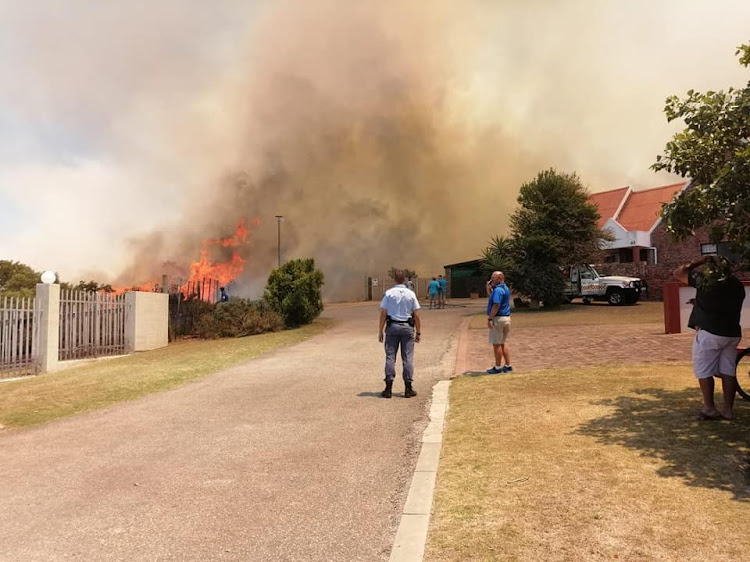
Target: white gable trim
[[625, 196]]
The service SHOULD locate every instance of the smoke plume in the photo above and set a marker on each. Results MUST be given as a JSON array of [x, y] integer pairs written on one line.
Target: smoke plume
[[386, 133]]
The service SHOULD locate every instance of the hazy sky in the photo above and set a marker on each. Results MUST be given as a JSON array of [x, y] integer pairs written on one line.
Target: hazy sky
[[131, 130]]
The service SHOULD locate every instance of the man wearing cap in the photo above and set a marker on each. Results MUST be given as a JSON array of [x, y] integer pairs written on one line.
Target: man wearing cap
[[399, 315]]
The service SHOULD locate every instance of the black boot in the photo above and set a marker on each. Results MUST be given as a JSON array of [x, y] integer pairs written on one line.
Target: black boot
[[409, 392], [388, 387]]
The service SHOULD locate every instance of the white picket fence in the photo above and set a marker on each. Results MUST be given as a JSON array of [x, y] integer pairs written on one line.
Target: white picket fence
[[18, 337]]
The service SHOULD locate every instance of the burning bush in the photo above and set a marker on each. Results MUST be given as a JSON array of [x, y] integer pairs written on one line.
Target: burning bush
[[238, 318], [293, 290]]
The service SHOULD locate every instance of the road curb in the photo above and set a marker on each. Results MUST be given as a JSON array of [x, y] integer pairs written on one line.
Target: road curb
[[411, 536]]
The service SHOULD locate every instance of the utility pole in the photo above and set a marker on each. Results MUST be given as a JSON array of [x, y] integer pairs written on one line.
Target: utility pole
[[279, 219]]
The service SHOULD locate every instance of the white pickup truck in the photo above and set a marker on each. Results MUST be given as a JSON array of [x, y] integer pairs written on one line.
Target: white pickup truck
[[583, 281]]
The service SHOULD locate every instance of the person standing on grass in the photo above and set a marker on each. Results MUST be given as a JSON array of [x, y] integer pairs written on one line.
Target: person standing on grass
[[498, 322], [432, 291], [399, 315], [716, 320], [442, 290]]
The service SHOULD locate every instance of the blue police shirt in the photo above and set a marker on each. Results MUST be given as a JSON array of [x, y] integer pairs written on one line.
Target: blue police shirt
[[500, 295]]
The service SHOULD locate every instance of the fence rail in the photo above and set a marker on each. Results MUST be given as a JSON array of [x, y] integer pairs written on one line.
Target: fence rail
[[18, 337], [91, 325]]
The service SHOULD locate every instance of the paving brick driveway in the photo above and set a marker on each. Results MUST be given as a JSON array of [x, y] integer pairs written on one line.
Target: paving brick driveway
[[535, 348]]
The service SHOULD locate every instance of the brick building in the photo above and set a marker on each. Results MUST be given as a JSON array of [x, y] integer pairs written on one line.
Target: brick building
[[642, 247]]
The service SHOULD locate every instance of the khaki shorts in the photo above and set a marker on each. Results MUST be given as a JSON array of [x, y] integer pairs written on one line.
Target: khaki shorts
[[500, 330], [714, 355]]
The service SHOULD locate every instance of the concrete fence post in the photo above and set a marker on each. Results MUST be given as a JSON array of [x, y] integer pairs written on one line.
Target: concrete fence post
[[48, 306], [146, 321], [130, 321]]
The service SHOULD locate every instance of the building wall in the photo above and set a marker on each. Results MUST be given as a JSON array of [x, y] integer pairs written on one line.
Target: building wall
[[670, 254], [678, 307], [674, 253]]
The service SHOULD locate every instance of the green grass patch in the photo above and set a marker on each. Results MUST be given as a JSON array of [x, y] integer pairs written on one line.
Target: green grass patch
[[596, 463], [578, 314], [102, 383]]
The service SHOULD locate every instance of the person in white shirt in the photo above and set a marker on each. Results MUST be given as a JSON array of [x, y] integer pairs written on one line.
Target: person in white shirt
[[410, 284], [399, 315]]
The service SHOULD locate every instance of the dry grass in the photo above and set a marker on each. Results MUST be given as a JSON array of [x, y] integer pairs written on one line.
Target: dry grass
[[103, 383], [592, 464], [578, 314]]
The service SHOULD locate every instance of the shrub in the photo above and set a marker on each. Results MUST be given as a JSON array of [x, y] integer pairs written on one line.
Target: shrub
[[184, 314], [238, 318], [293, 290]]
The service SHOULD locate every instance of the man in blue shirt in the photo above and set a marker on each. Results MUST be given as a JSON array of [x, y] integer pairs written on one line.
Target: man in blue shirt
[[432, 291], [498, 322], [399, 315], [442, 289]]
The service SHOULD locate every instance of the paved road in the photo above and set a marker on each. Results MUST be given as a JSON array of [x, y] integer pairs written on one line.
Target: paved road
[[290, 457]]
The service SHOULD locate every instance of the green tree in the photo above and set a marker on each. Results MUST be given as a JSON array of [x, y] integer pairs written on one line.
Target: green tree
[[20, 280], [554, 225], [293, 290], [407, 272], [17, 279], [498, 256], [555, 207], [714, 151], [536, 271], [87, 286]]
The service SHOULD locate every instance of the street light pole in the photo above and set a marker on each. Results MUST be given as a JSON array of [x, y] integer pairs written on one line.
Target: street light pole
[[279, 218]]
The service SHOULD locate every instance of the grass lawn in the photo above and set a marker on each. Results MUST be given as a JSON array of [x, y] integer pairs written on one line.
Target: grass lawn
[[102, 383], [579, 314], [589, 464]]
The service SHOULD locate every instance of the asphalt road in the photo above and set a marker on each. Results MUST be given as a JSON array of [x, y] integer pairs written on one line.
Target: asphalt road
[[290, 457]]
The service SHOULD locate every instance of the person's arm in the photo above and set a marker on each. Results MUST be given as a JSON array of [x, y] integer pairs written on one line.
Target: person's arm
[[682, 273], [417, 326], [493, 313], [381, 324]]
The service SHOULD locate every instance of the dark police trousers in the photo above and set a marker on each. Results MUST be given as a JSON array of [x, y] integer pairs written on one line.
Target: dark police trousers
[[399, 335]]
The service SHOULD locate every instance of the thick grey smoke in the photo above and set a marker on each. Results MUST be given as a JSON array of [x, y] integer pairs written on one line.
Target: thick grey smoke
[[386, 133], [356, 127]]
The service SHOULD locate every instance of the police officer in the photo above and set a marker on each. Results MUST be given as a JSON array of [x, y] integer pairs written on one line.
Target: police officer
[[399, 315]]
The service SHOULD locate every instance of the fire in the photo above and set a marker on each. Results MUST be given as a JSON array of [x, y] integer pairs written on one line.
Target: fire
[[207, 275], [227, 271], [150, 287]]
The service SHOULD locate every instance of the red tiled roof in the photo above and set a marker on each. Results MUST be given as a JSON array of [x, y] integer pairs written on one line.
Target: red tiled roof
[[642, 208], [608, 202]]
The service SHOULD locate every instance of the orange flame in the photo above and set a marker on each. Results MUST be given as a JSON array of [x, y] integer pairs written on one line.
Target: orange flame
[[228, 271], [205, 273], [224, 272], [150, 287]]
